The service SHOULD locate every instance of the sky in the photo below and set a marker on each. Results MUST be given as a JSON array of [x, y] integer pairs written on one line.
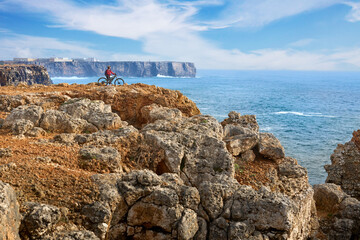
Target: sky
[[320, 35]]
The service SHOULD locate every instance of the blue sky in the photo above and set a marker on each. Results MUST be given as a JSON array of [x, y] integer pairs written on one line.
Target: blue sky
[[214, 34]]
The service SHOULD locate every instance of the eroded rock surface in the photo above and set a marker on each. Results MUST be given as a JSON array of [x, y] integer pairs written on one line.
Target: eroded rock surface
[[345, 167], [9, 213], [340, 213], [193, 147], [39, 220]]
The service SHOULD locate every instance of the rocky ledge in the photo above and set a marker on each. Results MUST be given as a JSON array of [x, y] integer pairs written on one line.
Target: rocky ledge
[[141, 162], [28, 74]]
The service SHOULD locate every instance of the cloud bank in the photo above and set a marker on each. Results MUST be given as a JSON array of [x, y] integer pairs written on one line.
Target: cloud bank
[[169, 30]]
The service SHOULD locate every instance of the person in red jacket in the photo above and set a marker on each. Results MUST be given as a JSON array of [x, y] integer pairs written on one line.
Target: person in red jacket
[[108, 73]]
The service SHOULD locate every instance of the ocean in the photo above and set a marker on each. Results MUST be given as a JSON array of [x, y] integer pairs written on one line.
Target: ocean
[[309, 112]]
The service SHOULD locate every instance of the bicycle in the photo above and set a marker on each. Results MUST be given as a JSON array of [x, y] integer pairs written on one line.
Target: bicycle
[[109, 81]]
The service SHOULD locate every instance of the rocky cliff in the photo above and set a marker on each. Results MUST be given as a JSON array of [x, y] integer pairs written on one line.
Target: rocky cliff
[[337, 200], [141, 162], [29, 74], [126, 69]]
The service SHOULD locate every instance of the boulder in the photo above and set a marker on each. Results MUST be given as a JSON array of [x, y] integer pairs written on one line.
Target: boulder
[[36, 132], [248, 156], [22, 126], [105, 120], [328, 196], [188, 225], [32, 113], [246, 121], [9, 213], [340, 213], [39, 220], [239, 144], [234, 129], [98, 218], [154, 112], [152, 215], [345, 167], [270, 147], [135, 204], [83, 107], [95, 112], [109, 157], [58, 121], [193, 147]]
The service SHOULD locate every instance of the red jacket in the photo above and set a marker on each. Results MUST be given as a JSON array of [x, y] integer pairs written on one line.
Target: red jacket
[[108, 72]]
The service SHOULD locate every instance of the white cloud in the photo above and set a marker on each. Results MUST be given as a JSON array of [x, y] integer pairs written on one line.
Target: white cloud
[[354, 15], [301, 42], [17, 45], [168, 32], [131, 19]]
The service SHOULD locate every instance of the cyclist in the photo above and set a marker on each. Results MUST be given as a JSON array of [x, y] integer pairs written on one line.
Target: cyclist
[[108, 73]]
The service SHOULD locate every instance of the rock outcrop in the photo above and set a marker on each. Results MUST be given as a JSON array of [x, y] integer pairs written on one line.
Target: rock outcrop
[[345, 166], [196, 195], [9, 213], [126, 69], [126, 101], [339, 213], [73, 116], [166, 173], [28, 74]]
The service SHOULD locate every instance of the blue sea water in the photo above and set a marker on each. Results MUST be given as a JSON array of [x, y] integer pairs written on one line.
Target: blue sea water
[[310, 112]]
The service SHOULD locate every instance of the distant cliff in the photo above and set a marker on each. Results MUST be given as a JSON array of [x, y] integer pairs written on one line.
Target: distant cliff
[[30, 74], [126, 69]]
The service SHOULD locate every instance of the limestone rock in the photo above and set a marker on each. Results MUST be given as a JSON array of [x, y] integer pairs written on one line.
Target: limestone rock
[[188, 225], [9, 213], [241, 143], [40, 219], [36, 132], [107, 156], [246, 121], [58, 121], [32, 113], [328, 196], [98, 218], [345, 167], [234, 129], [21, 126], [5, 152], [271, 210], [340, 212], [248, 156], [95, 112], [153, 215], [105, 120], [155, 112], [66, 138], [193, 147], [83, 107], [270, 147]]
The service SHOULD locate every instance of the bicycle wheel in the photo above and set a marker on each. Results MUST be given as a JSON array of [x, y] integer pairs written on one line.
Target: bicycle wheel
[[119, 81], [102, 81]]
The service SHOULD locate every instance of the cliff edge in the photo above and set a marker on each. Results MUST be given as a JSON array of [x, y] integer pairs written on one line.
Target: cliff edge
[[29, 74], [126, 69]]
